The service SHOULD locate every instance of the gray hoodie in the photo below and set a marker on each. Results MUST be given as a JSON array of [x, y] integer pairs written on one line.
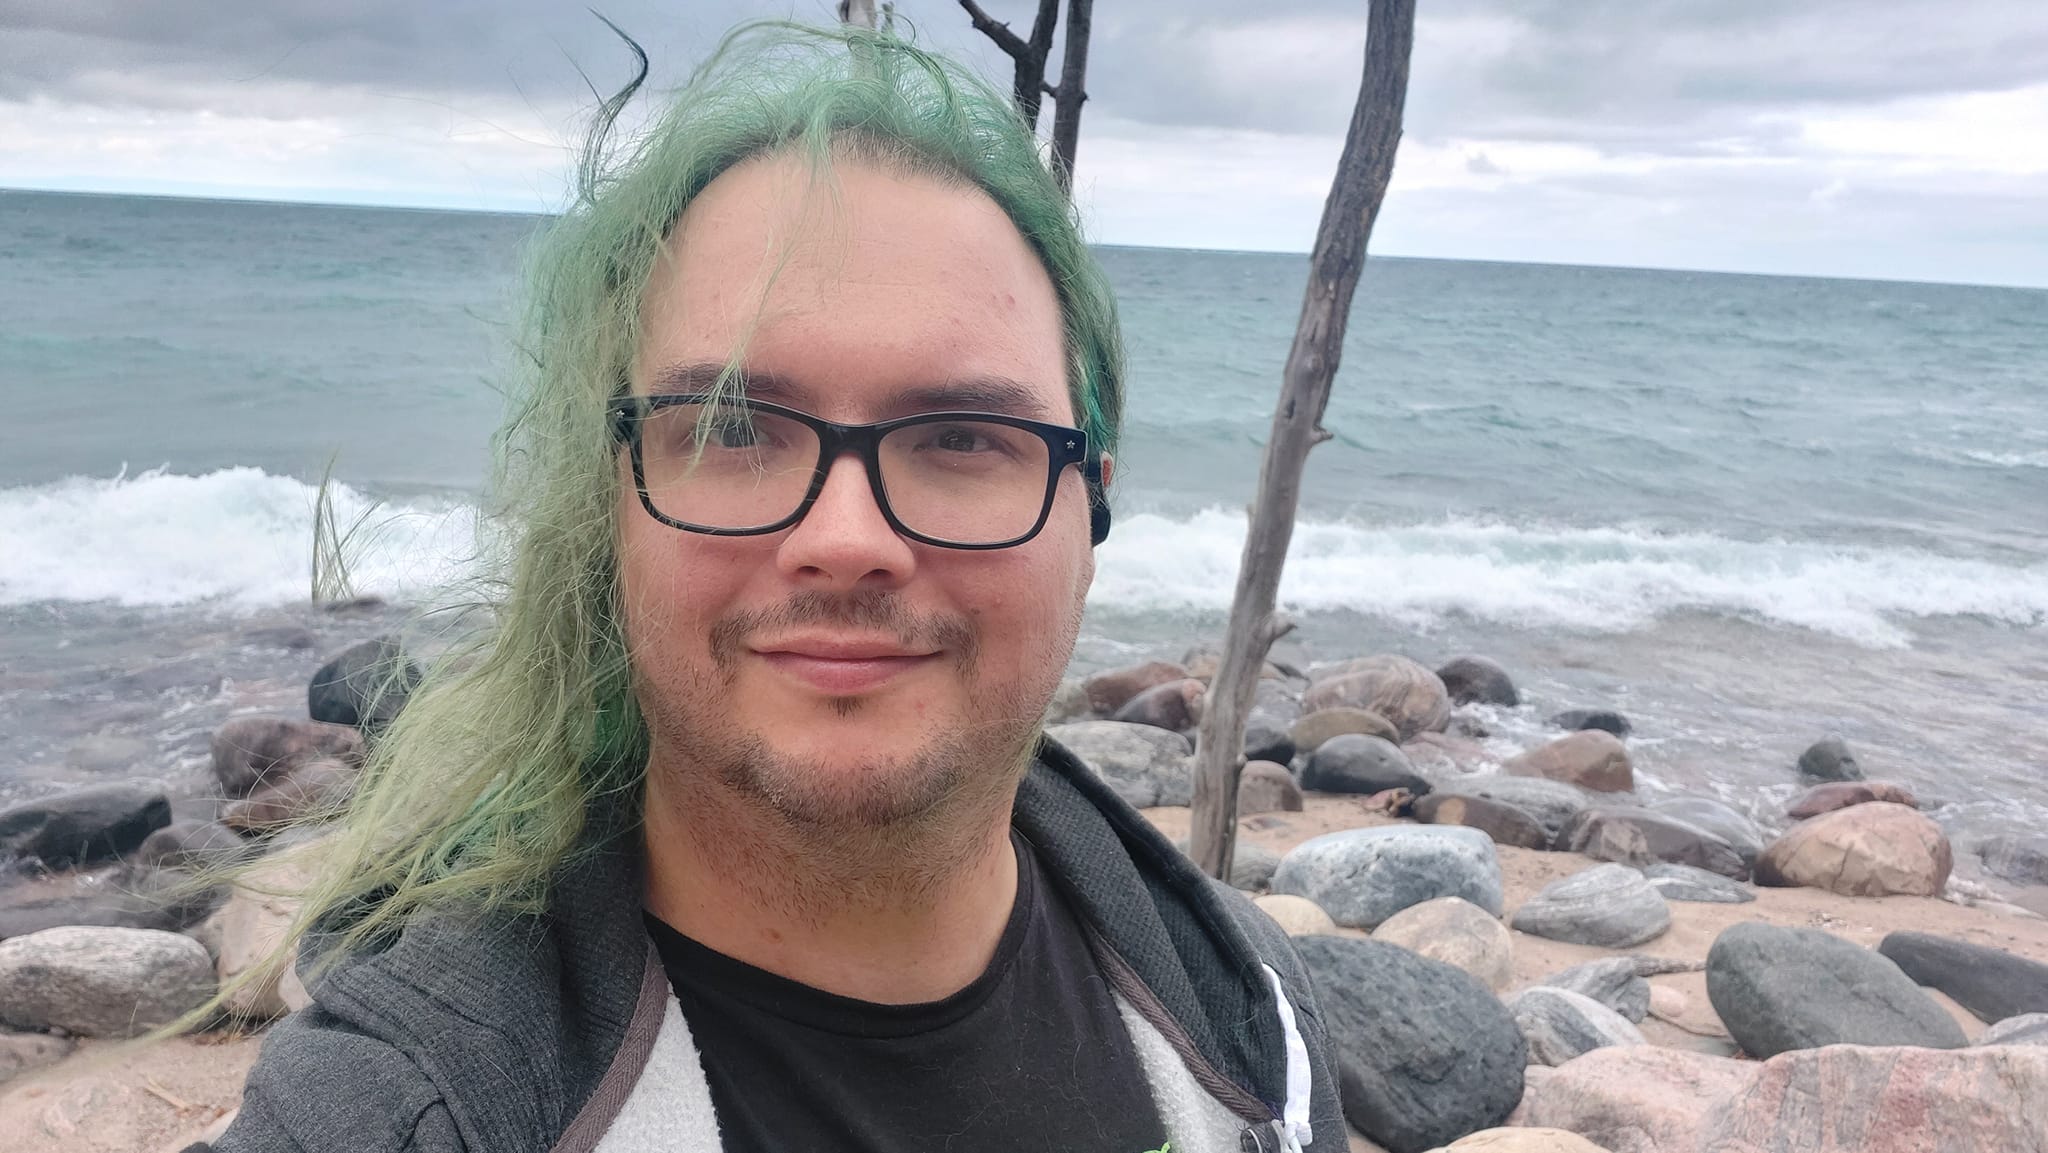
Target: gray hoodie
[[558, 1031]]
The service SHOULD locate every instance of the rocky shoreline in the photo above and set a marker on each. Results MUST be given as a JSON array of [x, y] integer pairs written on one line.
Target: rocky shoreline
[[1515, 949]]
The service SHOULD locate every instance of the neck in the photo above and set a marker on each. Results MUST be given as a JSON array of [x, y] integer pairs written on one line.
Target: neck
[[898, 915]]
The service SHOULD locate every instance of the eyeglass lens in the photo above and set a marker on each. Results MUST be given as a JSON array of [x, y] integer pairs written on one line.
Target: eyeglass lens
[[725, 466]]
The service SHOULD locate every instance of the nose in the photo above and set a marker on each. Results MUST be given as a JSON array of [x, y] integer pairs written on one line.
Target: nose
[[844, 542]]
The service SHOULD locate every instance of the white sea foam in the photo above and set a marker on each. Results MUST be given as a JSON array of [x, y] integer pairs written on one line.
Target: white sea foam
[[2010, 459], [238, 537], [1605, 579]]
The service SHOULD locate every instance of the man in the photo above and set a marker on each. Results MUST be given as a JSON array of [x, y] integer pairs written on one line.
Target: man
[[738, 831]]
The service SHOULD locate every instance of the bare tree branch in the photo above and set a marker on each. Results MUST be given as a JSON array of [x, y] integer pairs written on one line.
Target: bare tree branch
[[1029, 83], [996, 30], [1348, 215], [1073, 91]]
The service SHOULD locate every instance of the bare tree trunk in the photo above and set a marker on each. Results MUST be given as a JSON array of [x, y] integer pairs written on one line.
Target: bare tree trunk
[[1028, 87], [1354, 203], [859, 13], [1072, 92]]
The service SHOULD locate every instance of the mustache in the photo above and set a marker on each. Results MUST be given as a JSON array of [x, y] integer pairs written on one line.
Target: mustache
[[871, 610]]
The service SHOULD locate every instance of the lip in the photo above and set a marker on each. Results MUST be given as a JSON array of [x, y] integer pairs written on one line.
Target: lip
[[841, 666]]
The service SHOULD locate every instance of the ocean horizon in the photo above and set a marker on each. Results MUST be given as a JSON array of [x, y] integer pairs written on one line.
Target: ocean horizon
[[1748, 510]]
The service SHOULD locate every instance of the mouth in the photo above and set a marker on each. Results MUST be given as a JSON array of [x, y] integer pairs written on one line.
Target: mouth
[[842, 667]]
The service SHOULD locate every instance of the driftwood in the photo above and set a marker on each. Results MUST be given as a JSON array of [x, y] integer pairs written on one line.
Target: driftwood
[[1354, 203], [1028, 87]]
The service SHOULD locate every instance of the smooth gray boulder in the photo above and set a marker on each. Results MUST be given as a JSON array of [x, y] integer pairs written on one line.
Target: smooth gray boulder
[[1424, 1052], [1609, 905], [1559, 1024], [1552, 803], [1583, 720], [365, 685], [1641, 837], [2015, 859], [1471, 679], [1779, 989], [1612, 981], [1685, 883], [1363, 876], [1991, 983], [1356, 763], [102, 982], [1145, 766], [2025, 1029], [1722, 820]]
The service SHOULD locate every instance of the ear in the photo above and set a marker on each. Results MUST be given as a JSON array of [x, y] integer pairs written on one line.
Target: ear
[[1098, 499]]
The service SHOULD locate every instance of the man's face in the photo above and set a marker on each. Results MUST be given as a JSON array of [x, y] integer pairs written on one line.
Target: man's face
[[836, 672]]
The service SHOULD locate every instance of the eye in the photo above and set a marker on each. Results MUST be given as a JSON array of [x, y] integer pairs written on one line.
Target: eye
[[732, 431]]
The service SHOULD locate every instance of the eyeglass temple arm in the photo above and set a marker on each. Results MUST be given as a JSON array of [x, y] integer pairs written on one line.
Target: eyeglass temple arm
[[1098, 502]]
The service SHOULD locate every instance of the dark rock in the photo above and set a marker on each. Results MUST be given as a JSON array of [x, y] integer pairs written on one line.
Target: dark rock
[[1722, 820], [249, 750], [1685, 883], [1605, 720], [101, 982], [1641, 837], [192, 844], [1175, 705], [1111, 689], [1779, 989], [1559, 1024], [1267, 739], [1615, 982], [1144, 765], [1831, 795], [1610, 905], [1991, 983], [1470, 679], [2025, 1029], [2012, 859], [1363, 876], [1405, 693], [1830, 760], [1552, 803], [1505, 823], [83, 825], [1354, 763], [1425, 1053], [1264, 787], [1467, 725], [365, 685]]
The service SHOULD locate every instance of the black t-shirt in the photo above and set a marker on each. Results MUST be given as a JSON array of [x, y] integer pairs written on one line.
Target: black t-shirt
[[1031, 1056]]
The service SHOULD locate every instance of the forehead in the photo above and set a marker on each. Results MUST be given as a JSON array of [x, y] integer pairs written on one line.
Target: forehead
[[850, 287]]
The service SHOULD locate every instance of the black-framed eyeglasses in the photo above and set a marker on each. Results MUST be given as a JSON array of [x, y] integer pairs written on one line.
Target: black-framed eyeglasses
[[968, 480]]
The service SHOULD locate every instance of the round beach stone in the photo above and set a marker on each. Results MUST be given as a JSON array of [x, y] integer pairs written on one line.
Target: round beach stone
[[365, 685], [1991, 983], [1716, 817], [1297, 916], [1829, 759], [1312, 729], [1871, 850], [1591, 759], [101, 982], [2015, 859], [1456, 932], [1361, 877], [81, 826], [1145, 766], [1779, 989], [1475, 679], [1267, 738], [1552, 803], [1265, 787], [1424, 1052], [1505, 823], [1559, 1024], [1831, 795], [1107, 691], [1858, 1099], [1616, 982], [1405, 693], [192, 844], [2025, 1029], [1685, 883], [1641, 837], [1354, 763], [1609, 905], [247, 751]]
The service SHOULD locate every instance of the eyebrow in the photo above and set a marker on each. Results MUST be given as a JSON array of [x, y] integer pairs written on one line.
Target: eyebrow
[[985, 393]]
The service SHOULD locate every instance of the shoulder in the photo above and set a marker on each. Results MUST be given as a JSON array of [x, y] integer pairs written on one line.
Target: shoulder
[[322, 1085]]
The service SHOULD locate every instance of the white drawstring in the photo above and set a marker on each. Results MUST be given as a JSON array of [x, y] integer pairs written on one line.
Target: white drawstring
[[1296, 1133]]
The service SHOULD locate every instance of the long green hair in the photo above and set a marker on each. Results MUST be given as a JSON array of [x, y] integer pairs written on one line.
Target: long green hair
[[484, 786]]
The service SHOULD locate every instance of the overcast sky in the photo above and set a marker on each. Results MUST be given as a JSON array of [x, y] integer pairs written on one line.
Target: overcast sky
[[1882, 138]]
